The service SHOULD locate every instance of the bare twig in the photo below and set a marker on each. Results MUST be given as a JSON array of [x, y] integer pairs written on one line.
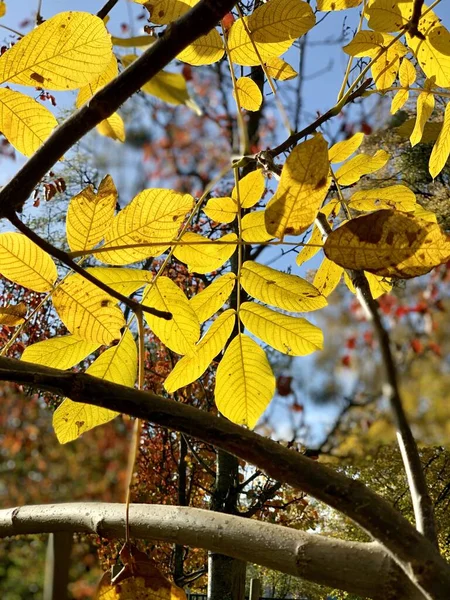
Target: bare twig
[[107, 8]]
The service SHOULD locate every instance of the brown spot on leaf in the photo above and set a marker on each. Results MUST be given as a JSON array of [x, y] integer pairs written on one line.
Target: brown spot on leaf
[[37, 77], [390, 238], [411, 236]]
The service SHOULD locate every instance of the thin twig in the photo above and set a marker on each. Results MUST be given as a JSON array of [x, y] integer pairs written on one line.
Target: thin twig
[[107, 8]]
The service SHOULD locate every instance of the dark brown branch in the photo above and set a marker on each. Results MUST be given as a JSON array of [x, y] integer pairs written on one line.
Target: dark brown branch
[[411, 550], [179, 34], [65, 258], [412, 27], [107, 8]]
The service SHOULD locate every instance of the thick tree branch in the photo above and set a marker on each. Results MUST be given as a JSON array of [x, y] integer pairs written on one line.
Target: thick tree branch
[[415, 554], [359, 568], [198, 21]]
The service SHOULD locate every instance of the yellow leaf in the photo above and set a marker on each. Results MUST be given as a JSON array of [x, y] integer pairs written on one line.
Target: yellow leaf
[[117, 364], [343, 150], [25, 263], [425, 215], [360, 165], [441, 149], [2, 9], [206, 50], [365, 43], [337, 4], [24, 122], [163, 12], [387, 15], [222, 210], [378, 285], [136, 41], [86, 92], [249, 94], [254, 228], [153, 217], [407, 76], [288, 292], [64, 53], [89, 215], [112, 127], [430, 131], [208, 301], [291, 335], [245, 383], [60, 352], [181, 333], [389, 243], [13, 314], [251, 188], [302, 188], [327, 277], [277, 68], [203, 255], [125, 281], [399, 197], [311, 248], [87, 311], [191, 367], [425, 106], [274, 26]]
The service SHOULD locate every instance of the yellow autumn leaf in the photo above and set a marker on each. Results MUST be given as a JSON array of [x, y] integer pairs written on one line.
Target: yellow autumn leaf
[[407, 76], [248, 94], [206, 50], [251, 189], [89, 215], [222, 210], [387, 15], [118, 365], [274, 27], [327, 277], [136, 41], [362, 164], [112, 127], [191, 367], [208, 301], [389, 243], [87, 311], [254, 228], [311, 247], [245, 383], [153, 217], [327, 5], [23, 262], [399, 197], [378, 285], [123, 280], [426, 215], [60, 352], [163, 12], [343, 150], [425, 107], [2, 8], [108, 74], [180, 333], [288, 292], [303, 186], [430, 131], [13, 314], [203, 255], [441, 149], [278, 68], [66, 52], [291, 335], [24, 122]]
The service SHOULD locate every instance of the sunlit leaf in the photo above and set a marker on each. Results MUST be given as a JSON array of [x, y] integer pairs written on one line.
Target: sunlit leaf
[[425, 106], [123, 280], [87, 311], [251, 189], [60, 352], [208, 301], [337, 4], [441, 149], [23, 262], [24, 122], [163, 12], [2, 8], [153, 217], [89, 215], [206, 50], [180, 333], [248, 93], [302, 188], [291, 335], [245, 383], [191, 367], [112, 127], [288, 292], [399, 197], [327, 277], [254, 228], [136, 41], [279, 69], [407, 76], [343, 150], [66, 52], [312, 246], [362, 164], [203, 255], [118, 365], [86, 92], [389, 243], [430, 131], [222, 210], [13, 314]]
